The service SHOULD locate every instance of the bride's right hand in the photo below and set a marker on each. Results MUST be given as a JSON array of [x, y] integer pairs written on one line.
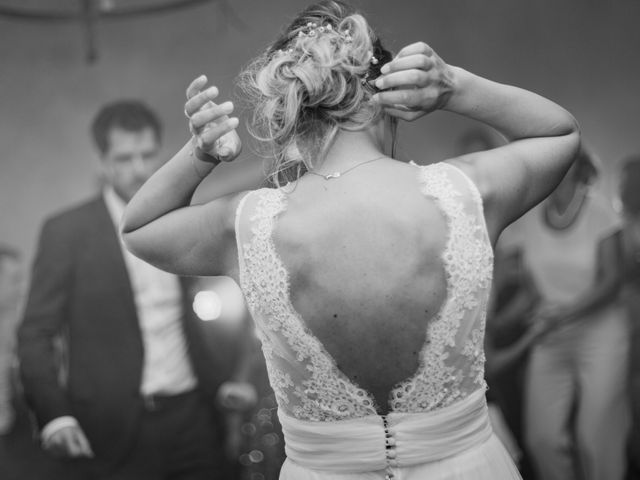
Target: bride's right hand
[[417, 81], [212, 129]]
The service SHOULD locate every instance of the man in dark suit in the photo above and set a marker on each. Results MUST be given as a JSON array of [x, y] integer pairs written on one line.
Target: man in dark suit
[[137, 397]]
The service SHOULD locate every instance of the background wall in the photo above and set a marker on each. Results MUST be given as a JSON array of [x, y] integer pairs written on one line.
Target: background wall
[[581, 53]]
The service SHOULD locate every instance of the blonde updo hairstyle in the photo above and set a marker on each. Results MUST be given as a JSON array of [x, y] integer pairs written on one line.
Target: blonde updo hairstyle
[[313, 81]]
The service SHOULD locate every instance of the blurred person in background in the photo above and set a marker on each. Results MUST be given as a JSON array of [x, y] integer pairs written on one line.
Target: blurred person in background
[[509, 338], [626, 242], [10, 300], [136, 399], [576, 412]]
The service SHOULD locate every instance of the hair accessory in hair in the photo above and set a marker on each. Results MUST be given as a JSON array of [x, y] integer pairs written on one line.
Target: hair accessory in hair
[[282, 52], [312, 29], [373, 61]]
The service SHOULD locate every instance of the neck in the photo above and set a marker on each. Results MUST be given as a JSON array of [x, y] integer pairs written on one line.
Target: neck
[[349, 149]]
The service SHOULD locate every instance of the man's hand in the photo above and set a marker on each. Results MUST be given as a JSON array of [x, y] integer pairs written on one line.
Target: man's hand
[[237, 396], [417, 81], [68, 442]]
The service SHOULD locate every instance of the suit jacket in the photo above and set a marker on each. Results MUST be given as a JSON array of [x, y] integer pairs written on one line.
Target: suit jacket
[[81, 289]]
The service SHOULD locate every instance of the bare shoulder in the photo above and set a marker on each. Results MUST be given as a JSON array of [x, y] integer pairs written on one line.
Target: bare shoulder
[[470, 166], [232, 208], [486, 184]]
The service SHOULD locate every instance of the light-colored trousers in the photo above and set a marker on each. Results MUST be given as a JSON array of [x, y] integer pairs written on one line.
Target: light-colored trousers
[[6, 363], [576, 404]]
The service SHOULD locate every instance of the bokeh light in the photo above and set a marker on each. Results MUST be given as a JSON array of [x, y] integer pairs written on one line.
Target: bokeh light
[[207, 305]]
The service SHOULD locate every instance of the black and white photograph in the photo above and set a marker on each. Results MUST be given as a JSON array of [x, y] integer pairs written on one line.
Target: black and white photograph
[[319, 240]]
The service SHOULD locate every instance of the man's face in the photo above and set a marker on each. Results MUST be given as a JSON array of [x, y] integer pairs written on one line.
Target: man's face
[[132, 157]]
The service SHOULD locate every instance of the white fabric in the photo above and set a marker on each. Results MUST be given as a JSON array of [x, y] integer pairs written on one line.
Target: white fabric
[[591, 365], [420, 444], [315, 396], [452, 362], [584, 360], [563, 261], [358, 445], [484, 461], [8, 321], [158, 300], [503, 432]]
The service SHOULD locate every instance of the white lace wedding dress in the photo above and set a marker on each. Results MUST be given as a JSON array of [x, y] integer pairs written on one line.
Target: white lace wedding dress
[[437, 426]]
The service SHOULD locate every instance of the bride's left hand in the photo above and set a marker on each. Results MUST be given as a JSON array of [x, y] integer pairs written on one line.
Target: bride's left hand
[[417, 81]]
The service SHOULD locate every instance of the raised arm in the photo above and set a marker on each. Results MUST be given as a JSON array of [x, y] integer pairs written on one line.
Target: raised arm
[[543, 137], [160, 224]]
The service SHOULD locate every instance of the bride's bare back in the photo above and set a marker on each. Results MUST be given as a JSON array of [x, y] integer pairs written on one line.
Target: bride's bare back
[[369, 295], [364, 257]]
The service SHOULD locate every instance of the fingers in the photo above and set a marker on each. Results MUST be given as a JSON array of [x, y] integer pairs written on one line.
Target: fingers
[[407, 104], [414, 83], [209, 122], [199, 100], [415, 49], [206, 139], [69, 442], [57, 448], [196, 85], [413, 70], [210, 114], [59, 443], [74, 446], [410, 83], [403, 114], [412, 78], [83, 448], [411, 62], [407, 100]]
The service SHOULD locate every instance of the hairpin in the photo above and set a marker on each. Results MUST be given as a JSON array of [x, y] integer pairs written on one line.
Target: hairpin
[[373, 61]]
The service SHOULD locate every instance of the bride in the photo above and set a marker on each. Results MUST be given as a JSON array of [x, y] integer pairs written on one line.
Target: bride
[[367, 277]]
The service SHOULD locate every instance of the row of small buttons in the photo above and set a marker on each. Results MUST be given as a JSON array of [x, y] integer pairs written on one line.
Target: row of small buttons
[[390, 447]]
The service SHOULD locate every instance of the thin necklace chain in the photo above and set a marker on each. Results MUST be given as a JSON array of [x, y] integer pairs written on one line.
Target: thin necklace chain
[[337, 174]]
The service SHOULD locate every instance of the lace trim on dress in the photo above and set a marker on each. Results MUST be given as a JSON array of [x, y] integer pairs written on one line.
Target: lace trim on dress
[[452, 359], [327, 394], [468, 263]]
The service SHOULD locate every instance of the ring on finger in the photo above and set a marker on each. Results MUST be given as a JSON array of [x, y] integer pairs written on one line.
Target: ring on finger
[[186, 114]]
